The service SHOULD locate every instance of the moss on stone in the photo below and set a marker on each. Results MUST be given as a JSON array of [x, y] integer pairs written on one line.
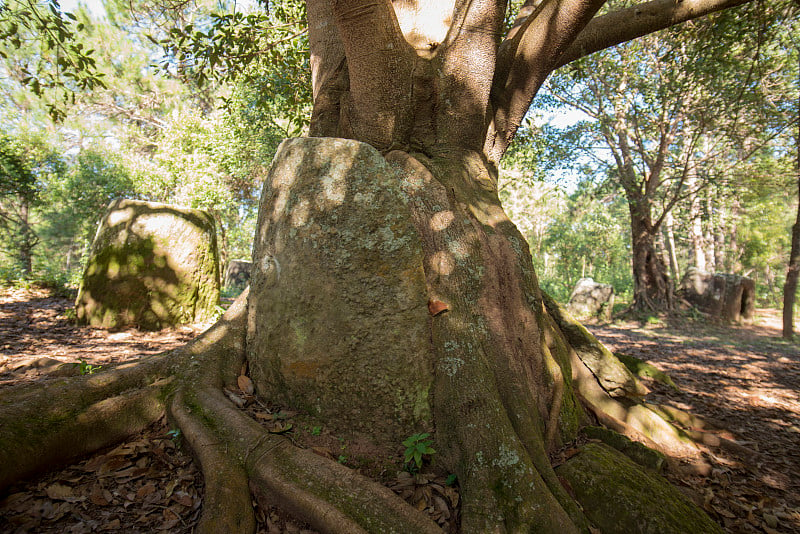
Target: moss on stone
[[645, 370], [634, 450], [621, 497], [151, 266]]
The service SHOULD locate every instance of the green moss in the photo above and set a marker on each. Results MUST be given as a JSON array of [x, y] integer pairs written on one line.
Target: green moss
[[637, 452], [645, 370], [137, 276], [619, 496]]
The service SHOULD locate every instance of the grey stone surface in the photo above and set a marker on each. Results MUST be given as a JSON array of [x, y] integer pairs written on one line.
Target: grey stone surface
[[727, 297], [591, 299], [338, 324]]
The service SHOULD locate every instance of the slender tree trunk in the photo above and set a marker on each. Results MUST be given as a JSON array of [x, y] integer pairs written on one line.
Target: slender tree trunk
[[669, 230], [696, 227], [719, 240], [708, 236], [793, 270], [27, 241]]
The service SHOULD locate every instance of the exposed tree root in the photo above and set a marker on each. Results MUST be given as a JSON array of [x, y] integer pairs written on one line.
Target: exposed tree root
[[226, 503], [47, 425], [498, 410]]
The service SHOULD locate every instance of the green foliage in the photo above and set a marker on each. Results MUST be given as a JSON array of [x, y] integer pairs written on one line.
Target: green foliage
[[174, 435], [27, 163], [266, 50], [417, 446], [49, 57], [85, 368]]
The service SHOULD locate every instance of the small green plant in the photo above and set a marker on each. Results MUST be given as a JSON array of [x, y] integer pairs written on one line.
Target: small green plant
[[342, 459], [316, 431], [85, 368], [451, 479], [417, 446], [219, 311]]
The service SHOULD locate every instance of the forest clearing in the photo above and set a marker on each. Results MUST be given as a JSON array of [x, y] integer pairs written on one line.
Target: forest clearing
[[743, 378], [420, 203]]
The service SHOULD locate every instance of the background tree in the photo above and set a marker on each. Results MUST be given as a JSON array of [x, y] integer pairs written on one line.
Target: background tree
[[651, 128], [27, 163]]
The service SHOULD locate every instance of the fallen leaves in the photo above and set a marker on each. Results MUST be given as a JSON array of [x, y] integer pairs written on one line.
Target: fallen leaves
[[145, 485], [431, 494], [746, 383]]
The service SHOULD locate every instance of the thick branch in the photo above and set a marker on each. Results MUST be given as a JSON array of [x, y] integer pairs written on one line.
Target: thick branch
[[467, 68], [380, 63], [526, 59], [636, 21]]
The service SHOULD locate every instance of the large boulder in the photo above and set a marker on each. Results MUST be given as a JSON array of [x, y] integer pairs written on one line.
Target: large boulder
[[338, 320], [727, 297], [591, 299], [152, 265], [237, 275]]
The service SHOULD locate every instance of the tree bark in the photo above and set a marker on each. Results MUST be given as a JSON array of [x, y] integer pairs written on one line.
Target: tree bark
[[793, 270], [513, 377], [651, 286], [669, 222]]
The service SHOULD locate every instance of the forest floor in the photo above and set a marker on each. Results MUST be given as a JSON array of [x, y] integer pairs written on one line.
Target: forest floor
[[744, 379]]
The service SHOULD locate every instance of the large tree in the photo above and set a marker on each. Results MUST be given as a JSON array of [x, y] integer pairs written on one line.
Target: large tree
[[668, 118], [506, 375]]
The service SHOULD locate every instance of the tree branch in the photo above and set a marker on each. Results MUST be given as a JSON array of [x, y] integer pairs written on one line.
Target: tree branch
[[627, 24], [526, 59], [467, 68], [376, 53]]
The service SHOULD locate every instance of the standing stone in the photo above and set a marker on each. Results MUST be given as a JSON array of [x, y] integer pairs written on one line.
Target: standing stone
[[237, 275], [727, 297], [591, 299], [152, 265], [338, 323]]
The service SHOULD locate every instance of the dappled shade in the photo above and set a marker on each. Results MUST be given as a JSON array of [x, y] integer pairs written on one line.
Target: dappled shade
[[338, 321], [152, 265], [237, 275]]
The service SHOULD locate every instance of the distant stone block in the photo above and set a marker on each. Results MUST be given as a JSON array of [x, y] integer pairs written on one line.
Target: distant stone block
[[591, 299], [237, 275], [151, 266], [727, 297]]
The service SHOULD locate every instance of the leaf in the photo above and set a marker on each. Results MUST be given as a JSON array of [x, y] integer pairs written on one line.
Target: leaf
[[100, 496], [245, 384], [59, 492], [144, 491], [281, 429]]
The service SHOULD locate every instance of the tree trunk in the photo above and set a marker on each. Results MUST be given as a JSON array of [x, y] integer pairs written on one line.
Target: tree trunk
[[652, 289], [709, 236], [719, 240], [793, 269], [497, 371], [696, 238], [27, 240], [669, 222]]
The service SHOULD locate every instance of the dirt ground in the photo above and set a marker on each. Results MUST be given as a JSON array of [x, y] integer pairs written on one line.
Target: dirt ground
[[744, 379]]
